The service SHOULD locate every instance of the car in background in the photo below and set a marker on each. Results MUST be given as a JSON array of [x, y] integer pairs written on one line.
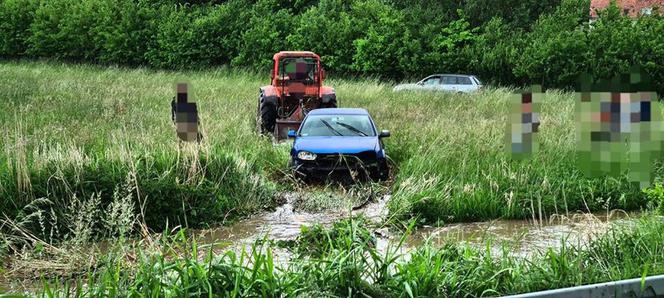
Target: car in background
[[339, 140], [444, 82]]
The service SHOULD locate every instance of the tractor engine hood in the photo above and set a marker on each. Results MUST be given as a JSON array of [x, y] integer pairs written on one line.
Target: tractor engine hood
[[332, 145]]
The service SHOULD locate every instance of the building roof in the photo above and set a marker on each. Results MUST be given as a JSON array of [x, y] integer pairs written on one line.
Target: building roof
[[633, 8]]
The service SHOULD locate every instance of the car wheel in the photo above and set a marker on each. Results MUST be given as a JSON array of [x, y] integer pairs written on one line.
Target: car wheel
[[382, 172]]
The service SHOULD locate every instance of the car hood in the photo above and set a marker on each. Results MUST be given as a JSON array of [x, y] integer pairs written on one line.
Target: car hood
[[406, 87], [334, 144]]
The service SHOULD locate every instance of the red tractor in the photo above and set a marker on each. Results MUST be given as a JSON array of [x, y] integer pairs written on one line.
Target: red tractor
[[296, 88]]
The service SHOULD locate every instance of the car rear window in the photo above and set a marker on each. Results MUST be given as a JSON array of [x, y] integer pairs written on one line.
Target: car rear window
[[447, 80], [337, 125]]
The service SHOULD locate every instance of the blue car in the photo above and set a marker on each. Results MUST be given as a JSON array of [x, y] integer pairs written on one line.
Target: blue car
[[339, 141]]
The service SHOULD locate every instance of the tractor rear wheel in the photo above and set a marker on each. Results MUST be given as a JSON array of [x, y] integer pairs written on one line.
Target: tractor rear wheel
[[268, 117]]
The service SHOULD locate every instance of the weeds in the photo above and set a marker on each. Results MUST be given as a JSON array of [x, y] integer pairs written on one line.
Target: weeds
[[179, 269]]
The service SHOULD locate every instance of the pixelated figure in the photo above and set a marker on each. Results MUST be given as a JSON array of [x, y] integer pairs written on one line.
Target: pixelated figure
[[524, 123], [620, 130], [185, 115]]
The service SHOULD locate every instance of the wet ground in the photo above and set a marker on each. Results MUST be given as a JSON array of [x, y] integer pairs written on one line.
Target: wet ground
[[523, 237]]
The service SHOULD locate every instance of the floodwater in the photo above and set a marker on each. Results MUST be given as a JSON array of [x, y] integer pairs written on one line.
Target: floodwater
[[523, 237], [285, 223]]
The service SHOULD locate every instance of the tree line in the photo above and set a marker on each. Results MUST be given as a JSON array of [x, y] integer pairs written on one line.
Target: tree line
[[506, 42]]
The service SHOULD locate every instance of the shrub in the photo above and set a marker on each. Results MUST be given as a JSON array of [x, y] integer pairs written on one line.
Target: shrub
[[554, 51], [495, 51], [128, 30], [67, 29], [267, 30], [16, 16], [169, 49], [328, 29], [385, 48], [655, 195]]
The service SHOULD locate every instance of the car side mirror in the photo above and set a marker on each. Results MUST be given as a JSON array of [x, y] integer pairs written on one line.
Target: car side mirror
[[292, 134], [272, 74], [322, 74], [384, 134]]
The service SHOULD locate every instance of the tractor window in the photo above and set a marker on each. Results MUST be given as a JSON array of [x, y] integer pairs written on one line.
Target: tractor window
[[337, 125], [298, 69]]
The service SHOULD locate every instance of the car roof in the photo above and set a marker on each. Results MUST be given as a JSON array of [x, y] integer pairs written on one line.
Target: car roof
[[451, 74], [339, 111]]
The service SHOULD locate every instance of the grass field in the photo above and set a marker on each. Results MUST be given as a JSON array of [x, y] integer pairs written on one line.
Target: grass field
[[89, 151], [86, 131]]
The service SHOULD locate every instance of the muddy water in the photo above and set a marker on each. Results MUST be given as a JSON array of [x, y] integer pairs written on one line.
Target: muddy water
[[285, 223], [523, 237]]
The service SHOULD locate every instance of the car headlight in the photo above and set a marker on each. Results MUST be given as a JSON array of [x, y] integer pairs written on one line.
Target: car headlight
[[306, 155]]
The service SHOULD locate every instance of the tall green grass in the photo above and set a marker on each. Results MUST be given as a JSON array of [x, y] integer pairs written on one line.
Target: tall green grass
[[72, 131], [78, 131], [346, 263]]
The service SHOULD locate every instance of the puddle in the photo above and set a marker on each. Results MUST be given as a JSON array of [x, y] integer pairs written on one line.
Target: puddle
[[524, 237], [285, 223]]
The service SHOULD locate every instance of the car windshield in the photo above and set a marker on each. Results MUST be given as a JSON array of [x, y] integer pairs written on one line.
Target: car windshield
[[337, 125]]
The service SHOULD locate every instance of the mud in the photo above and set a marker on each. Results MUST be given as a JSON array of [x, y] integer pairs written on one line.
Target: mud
[[522, 237]]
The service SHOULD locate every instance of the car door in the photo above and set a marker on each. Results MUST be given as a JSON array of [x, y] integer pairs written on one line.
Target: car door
[[430, 83], [448, 83], [464, 84]]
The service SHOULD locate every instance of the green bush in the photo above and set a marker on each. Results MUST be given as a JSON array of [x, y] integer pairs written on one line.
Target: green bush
[[494, 53], [16, 16], [170, 49], [386, 47], [329, 30], [516, 43], [267, 31], [129, 28], [554, 51], [67, 29], [655, 195]]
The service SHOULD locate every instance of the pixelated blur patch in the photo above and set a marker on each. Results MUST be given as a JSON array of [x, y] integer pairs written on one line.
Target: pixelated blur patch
[[619, 130], [523, 123], [185, 114]]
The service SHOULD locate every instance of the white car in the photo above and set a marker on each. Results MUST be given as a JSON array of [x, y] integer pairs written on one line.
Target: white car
[[444, 82]]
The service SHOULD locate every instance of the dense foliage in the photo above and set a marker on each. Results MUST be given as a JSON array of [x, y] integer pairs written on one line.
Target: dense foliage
[[508, 42]]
